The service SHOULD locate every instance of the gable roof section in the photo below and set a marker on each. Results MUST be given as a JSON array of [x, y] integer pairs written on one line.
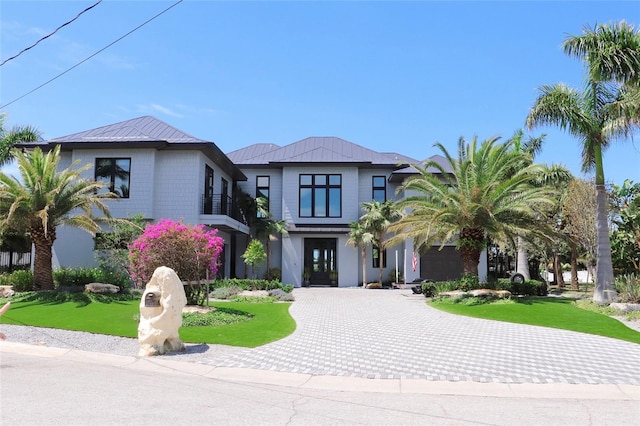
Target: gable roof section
[[314, 150], [143, 132]]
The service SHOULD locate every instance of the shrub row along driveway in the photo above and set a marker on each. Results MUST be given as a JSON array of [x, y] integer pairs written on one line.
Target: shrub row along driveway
[[393, 334]]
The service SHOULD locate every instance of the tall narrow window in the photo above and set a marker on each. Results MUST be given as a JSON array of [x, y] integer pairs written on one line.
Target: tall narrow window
[[115, 173], [207, 199], [376, 257], [262, 190], [379, 185], [320, 196]]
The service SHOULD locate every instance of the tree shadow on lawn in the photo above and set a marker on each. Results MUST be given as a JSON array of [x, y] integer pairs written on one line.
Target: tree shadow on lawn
[[533, 300]]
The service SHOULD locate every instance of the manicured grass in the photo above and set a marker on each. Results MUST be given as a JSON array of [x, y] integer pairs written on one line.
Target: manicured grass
[[269, 322], [547, 312]]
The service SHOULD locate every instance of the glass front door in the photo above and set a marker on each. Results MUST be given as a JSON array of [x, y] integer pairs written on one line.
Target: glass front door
[[320, 261]]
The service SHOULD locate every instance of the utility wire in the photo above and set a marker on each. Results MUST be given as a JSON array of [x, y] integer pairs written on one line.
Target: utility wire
[[91, 56], [49, 35]]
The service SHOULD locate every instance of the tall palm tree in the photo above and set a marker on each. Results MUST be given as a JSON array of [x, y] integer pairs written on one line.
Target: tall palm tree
[[268, 227], [47, 199], [9, 137], [607, 109], [489, 193], [360, 237], [376, 220]]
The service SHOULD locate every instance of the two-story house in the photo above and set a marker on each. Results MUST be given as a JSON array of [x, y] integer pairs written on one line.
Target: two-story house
[[316, 185], [159, 172]]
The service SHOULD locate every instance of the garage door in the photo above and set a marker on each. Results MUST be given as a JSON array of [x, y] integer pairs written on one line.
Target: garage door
[[441, 265]]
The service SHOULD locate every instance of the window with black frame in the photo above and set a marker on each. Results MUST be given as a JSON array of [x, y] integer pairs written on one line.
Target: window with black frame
[[320, 195], [115, 173], [262, 191]]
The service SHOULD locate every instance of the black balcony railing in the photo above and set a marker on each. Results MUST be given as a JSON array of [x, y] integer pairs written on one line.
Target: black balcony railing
[[222, 205]]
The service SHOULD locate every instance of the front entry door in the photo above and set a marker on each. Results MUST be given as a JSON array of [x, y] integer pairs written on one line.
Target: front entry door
[[320, 261]]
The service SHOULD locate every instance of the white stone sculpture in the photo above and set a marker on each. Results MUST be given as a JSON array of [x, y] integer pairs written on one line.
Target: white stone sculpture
[[161, 313]]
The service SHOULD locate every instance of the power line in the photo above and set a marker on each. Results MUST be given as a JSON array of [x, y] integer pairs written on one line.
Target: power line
[[91, 56], [49, 35]]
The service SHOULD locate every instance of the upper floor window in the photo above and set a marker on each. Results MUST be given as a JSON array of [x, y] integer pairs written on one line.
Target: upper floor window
[[115, 173], [379, 185], [262, 190], [320, 195]]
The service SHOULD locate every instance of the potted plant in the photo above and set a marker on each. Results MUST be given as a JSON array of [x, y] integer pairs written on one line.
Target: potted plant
[[333, 277], [306, 276]]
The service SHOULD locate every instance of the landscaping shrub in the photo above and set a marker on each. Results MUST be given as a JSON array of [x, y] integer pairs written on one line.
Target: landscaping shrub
[[248, 284], [273, 274], [225, 292], [221, 316], [189, 250], [79, 277], [628, 288], [528, 288], [21, 280], [281, 295]]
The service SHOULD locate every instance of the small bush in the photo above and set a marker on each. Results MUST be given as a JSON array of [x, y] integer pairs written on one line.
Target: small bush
[[287, 288], [221, 316], [273, 274], [225, 292], [281, 295], [628, 288], [21, 280]]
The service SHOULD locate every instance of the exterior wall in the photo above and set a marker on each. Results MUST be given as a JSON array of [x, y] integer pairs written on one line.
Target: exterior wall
[[163, 184]]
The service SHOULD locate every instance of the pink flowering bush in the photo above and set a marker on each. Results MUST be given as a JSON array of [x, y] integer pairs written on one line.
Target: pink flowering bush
[[191, 251]]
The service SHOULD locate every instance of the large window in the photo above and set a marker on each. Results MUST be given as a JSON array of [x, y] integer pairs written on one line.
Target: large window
[[115, 173], [320, 196], [379, 185], [262, 190]]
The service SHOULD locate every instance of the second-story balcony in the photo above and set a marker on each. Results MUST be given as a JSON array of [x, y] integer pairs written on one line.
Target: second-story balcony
[[219, 204]]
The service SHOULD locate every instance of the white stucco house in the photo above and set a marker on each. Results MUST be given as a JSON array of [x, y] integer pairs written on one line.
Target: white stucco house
[[316, 185]]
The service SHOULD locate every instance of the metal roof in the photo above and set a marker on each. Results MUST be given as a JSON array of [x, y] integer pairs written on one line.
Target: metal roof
[[139, 129], [141, 132], [315, 150]]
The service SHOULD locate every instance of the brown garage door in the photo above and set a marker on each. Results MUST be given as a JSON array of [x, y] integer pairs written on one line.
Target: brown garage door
[[441, 265]]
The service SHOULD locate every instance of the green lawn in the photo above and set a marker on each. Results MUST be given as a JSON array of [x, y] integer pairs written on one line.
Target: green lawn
[[269, 322], [547, 312]]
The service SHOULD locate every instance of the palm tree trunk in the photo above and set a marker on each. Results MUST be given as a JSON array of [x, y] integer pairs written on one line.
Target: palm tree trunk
[[42, 270], [364, 266], [557, 270], [605, 290], [470, 260], [522, 266]]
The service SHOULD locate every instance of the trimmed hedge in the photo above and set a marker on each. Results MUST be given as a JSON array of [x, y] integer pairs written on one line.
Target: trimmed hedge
[[528, 288]]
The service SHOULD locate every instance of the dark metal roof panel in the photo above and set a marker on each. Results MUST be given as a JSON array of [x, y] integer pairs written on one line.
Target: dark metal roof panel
[[135, 130], [313, 150]]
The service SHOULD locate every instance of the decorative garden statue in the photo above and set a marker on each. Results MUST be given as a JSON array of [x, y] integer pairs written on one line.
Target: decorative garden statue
[[161, 313]]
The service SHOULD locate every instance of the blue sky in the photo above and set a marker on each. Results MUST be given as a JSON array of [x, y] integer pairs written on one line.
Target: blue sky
[[391, 76]]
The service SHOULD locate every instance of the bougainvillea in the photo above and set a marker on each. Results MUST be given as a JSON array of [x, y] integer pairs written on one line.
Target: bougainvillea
[[191, 251]]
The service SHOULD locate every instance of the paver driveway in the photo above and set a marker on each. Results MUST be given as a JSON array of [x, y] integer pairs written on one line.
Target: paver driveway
[[391, 334]]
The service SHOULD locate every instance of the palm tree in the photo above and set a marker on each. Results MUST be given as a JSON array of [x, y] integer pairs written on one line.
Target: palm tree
[[360, 237], [9, 137], [376, 219], [607, 109], [45, 200], [268, 227], [488, 193]]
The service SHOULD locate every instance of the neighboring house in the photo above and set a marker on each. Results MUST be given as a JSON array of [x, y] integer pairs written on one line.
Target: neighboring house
[[315, 185], [159, 172]]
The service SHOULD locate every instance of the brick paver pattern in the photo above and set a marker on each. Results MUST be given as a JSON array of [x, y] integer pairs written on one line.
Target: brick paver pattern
[[393, 334]]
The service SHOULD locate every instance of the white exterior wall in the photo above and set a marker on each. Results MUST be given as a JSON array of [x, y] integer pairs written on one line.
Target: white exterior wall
[[163, 184]]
